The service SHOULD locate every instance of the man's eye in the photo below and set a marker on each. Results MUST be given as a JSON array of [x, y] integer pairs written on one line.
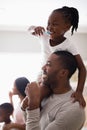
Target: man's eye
[[48, 63], [55, 24]]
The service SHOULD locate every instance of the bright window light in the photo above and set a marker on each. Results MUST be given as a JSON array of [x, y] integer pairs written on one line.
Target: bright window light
[[28, 12], [15, 65]]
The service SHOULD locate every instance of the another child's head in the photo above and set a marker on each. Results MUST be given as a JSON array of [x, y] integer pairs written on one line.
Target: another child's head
[[61, 20], [20, 85], [6, 110]]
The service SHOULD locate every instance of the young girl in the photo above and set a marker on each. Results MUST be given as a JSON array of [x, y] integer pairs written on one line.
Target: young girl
[[19, 90], [59, 22]]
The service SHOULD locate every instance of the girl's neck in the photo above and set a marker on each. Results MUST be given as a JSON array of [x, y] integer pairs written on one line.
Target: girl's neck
[[55, 42]]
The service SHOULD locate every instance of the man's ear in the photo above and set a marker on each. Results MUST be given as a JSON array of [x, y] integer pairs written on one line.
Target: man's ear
[[64, 72]]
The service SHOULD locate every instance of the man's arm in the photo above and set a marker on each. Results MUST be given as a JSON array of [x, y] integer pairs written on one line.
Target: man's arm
[[33, 111]]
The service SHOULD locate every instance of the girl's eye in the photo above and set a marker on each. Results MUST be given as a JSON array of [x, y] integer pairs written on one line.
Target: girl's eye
[[55, 24]]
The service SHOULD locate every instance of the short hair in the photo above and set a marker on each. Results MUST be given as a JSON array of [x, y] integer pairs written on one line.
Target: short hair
[[21, 84], [8, 107], [68, 61]]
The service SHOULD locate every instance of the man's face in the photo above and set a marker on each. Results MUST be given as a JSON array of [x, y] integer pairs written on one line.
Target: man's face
[[52, 70]]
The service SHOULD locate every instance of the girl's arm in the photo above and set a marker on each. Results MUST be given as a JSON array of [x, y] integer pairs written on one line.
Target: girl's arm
[[81, 81]]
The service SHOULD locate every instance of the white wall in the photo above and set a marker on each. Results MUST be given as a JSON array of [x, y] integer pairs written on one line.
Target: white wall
[[18, 41], [80, 40], [22, 41]]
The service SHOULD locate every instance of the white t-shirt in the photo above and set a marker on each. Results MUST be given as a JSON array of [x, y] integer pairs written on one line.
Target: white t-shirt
[[18, 115], [46, 49]]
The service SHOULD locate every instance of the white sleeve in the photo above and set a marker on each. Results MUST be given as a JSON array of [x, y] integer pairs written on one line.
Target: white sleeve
[[72, 49], [33, 119], [45, 47]]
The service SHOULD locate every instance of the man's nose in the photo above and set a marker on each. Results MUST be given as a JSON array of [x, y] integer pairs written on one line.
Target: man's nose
[[43, 68]]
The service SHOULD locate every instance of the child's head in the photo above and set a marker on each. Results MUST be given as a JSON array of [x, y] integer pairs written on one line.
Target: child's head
[[6, 110], [61, 20], [20, 85]]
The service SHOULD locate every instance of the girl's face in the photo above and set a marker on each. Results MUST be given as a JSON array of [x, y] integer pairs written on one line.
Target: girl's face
[[15, 90], [57, 25]]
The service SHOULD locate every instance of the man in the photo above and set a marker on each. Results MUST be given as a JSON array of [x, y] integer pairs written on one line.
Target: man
[[58, 110]]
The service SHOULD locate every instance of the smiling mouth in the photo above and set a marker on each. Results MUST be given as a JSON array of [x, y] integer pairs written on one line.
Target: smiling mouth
[[49, 32], [44, 75]]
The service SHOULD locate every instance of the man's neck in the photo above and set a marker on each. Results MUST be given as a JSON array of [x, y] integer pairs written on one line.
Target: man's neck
[[61, 88]]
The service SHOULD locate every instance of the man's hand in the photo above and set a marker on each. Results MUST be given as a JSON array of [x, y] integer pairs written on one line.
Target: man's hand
[[79, 97], [7, 127], [24, 103], [33, 93]]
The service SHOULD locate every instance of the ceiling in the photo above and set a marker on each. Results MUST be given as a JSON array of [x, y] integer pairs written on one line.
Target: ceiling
[[19, 14]]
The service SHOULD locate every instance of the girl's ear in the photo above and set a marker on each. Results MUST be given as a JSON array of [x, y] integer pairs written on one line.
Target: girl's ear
[[67, 26]]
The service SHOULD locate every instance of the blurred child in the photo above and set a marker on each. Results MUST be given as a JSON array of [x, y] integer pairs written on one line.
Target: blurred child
[[6, 110]]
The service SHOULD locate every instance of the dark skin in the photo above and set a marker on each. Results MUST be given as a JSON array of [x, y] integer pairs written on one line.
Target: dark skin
[[55, 74], [44, 92], [8, 125], [58, 26], [14, 125]]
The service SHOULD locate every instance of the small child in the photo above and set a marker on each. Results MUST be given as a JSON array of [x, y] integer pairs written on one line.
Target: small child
[[6, 110], [60, 21]]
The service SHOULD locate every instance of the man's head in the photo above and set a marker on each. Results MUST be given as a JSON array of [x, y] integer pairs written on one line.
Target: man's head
[[60, 66]]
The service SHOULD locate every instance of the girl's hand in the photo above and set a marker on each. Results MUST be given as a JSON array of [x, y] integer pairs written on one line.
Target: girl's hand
[[10, 94], [79, 97], [36, 30]]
